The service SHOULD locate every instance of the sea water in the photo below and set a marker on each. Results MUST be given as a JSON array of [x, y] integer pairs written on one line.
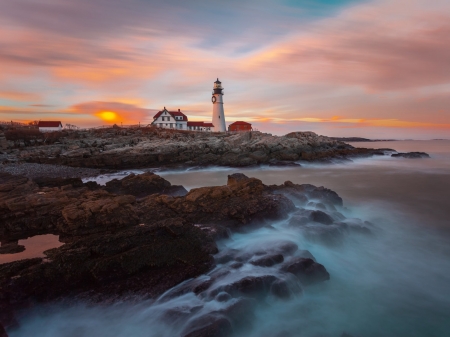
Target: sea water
[[392, 283]]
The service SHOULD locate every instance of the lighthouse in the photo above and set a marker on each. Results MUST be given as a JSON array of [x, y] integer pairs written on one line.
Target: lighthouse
[[218, 119]]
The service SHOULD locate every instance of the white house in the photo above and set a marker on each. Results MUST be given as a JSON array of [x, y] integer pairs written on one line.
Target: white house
[[170, 119], [178, 120], [49, 126]]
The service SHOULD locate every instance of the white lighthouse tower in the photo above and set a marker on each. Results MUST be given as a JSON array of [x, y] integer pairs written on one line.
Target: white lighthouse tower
[[218, 118]]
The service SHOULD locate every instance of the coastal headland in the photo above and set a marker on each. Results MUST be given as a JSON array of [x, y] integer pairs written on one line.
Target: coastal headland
[[125, 148]]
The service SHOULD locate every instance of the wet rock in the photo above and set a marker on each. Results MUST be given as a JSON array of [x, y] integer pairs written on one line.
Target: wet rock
[[306, 270], [306, 254], [301, 194], [243, 201], [236, 265], [331, 235], [212, 325], [268, 260], [280, 289], [142, 185], [226, 256], [27, 210], [411, 155], [250, 286], [11, 248], [321, 217], [284, 247], [175, 315], [142, 259], [58, 182], [223, 297]]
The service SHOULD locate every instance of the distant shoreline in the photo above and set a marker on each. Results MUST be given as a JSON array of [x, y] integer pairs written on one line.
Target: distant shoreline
[[359, 139]]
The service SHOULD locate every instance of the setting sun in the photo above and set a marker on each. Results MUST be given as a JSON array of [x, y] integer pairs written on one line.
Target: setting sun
[[108, 115]]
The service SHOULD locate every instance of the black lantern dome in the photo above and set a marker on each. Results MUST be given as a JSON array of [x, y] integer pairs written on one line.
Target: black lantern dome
[[218, 87]]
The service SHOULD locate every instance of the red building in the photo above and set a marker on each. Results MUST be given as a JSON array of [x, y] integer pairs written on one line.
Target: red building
[[240, 126]]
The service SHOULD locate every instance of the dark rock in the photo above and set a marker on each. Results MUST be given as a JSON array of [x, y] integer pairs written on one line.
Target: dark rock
[[306, 270], [226, 256], [174, 315], [284, 247], [302, 193], [223, 297], [142, 259], [58, 182], [321, 217], [212, 325], [268, 260], [332, 235], [306, 254], [142, 185], [242, 202], [250, 286], [280, 289], [411, 155], [237, 315], [236, 265], [11, 248]]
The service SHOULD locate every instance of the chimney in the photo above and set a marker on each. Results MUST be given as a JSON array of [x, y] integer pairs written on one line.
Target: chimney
[[178, 110]]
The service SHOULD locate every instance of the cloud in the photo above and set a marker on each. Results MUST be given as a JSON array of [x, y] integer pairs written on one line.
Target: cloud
[[113, 112], [20, 96], [380, 61]]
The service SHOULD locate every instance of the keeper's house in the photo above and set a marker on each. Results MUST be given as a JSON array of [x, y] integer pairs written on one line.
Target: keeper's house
[[178, 120], [49, 126], [240, 126]]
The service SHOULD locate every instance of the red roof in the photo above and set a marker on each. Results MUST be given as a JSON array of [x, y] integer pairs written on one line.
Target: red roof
[[240, 123], [202, 124], [49, 124], [173, 114]]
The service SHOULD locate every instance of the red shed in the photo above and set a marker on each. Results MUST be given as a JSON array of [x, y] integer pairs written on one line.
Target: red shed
[[240, 126]]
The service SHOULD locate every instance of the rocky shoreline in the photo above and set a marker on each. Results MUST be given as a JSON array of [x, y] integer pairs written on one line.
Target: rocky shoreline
[[141, 236], [117, 148]]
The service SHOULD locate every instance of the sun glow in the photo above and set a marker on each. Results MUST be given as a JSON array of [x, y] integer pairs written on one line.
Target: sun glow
[[108, 115]]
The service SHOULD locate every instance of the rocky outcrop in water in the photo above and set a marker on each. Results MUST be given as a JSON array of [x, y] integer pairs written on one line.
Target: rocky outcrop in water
[[241, 202], [144, 184], [411, 155], [130, 238]]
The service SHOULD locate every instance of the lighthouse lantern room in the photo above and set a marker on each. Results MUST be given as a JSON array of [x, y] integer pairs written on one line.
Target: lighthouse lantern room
[[218, 119]]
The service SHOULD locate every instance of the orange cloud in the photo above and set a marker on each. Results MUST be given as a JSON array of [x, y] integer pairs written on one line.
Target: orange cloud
[[113, 112], [20, 96]]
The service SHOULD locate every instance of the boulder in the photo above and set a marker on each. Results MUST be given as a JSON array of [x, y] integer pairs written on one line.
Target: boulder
[[142, 185], [268, 260], [307, 270], [212, 325], [411, 155]]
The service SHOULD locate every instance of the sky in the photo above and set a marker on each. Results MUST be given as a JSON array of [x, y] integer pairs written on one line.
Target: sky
[[376, 69]]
